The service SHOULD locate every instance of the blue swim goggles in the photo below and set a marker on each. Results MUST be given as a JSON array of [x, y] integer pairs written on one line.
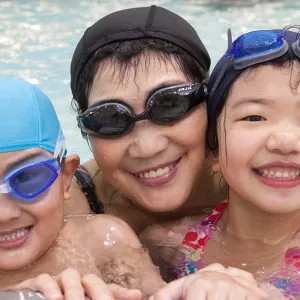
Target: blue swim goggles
[[34, 176], [256, 47]]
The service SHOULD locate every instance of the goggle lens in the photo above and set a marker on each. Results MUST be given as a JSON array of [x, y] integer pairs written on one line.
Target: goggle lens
[[107, 120], [261, 41], [33, 180], [170, 108]]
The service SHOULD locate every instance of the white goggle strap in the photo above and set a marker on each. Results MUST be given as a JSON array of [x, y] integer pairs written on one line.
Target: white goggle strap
[[60, 147], [5, 188]]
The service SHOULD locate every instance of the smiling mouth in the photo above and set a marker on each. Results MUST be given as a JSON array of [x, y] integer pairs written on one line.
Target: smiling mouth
[[15, 238], [279, 173], [159, 172]]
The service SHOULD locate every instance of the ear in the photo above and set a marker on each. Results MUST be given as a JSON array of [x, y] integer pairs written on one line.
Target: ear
[[215, 163], [71, 164]]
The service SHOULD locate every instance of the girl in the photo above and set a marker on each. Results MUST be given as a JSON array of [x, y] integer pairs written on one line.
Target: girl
[[253, 138], [254, 141]]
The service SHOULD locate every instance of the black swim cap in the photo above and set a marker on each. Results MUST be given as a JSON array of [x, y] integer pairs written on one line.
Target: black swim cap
[[136, 23]]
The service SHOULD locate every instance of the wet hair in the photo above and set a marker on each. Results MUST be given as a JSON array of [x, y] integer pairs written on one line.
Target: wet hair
[[284, 62], [126, 54]]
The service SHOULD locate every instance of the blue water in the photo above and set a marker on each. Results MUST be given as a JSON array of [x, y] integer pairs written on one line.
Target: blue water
[[38, 38]]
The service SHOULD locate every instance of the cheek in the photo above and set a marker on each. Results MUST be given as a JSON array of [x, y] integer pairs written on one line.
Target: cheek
[[50, 212], [191, 131], [108, 153], [237, 149]]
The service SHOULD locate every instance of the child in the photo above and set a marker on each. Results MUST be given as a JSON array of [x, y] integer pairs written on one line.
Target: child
[[35, 176], [253, 137]]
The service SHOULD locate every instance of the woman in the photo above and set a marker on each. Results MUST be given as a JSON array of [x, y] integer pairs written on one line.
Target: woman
[[154, 169]]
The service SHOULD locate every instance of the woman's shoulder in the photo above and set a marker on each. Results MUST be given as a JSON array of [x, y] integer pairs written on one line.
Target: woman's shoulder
[[171, 232]]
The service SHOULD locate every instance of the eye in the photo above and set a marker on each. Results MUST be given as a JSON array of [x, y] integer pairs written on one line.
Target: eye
[[254, 118]]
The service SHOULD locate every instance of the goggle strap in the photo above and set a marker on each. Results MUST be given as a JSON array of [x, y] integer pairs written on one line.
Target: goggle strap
[[60, 147], [287, 27], [221, 74], [229, 39], [4, 188], [201, 91], [296, 48], [224, 67]]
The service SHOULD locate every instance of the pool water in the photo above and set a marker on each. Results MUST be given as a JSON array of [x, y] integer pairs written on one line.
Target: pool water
[[38, 38]]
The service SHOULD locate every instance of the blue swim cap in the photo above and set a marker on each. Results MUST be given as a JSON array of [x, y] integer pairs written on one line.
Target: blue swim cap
[[232, 73], [27, 117]]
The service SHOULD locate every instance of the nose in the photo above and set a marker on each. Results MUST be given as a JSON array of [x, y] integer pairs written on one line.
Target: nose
[[285, 139], [9, 209], [148, 139]]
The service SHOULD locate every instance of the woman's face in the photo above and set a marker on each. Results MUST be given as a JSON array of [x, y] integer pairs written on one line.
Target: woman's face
[[259, 138], [154, 166]]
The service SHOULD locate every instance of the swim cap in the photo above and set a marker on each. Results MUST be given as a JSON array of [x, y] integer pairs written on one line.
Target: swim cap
[[137, 23], [27, 117], [231, 74]]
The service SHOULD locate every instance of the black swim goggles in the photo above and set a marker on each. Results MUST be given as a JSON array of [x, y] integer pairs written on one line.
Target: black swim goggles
[[115, 118]]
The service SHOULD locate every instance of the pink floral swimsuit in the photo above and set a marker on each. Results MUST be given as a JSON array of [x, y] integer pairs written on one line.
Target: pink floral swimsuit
[[194, 243]]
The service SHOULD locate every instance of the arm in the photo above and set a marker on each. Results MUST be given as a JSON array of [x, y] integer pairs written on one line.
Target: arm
[[120, 257]]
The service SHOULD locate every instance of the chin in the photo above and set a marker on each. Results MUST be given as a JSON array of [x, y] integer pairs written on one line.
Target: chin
[[163, 205], [13, 266], [281, 206]]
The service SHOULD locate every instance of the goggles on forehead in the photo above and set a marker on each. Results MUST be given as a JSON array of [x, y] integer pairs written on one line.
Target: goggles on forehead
[[256, 47], [30, 179], [114, 118]]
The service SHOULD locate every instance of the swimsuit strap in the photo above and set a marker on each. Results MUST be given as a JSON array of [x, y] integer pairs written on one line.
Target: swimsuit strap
[[195, 240], [87, 186]]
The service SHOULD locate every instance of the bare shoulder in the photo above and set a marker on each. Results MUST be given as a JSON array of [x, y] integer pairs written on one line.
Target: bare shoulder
[[108, 230]]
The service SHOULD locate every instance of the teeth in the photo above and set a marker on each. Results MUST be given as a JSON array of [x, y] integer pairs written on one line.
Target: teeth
[[14, 235], [285, 174], [156, 173], [279, 173]]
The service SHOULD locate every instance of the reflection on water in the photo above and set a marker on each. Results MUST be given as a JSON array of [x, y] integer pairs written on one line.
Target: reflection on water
[[38, 38]]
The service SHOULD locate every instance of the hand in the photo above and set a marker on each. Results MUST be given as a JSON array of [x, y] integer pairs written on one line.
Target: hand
[[69, 285], [213, 282]]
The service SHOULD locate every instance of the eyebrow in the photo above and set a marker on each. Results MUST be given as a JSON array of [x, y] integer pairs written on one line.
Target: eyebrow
[[260, 101], [161, 85]]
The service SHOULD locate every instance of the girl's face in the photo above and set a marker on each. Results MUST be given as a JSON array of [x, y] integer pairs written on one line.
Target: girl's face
[[27, 230], [153, 165], [259, 138]]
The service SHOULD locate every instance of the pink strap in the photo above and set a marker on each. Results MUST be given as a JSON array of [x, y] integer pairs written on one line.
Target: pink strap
[[197, 239]]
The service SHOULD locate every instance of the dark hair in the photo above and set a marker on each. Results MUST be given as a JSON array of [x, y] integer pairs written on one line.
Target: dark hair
[[123, 54], [285, 61]]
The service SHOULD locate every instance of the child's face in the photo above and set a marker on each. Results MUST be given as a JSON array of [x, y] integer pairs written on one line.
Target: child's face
[[259, 138], [27, 230]]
